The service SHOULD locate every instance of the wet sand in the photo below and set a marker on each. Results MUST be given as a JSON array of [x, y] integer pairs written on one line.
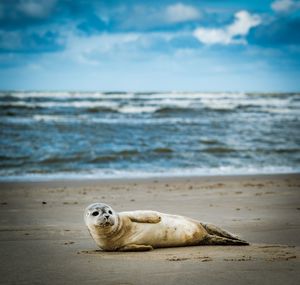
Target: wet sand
[[43, 239]]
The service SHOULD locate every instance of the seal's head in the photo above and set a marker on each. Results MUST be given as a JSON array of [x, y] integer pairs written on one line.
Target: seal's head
[[99, 215]]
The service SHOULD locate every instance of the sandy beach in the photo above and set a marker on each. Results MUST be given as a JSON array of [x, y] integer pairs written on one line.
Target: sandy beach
[[44, 240]]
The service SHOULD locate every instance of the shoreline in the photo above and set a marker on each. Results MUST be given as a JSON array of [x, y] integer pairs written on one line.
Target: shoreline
[[43, 239], [168, 177]]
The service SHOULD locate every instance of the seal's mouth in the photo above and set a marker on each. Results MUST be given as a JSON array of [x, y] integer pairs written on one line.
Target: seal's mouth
[[106, 224]]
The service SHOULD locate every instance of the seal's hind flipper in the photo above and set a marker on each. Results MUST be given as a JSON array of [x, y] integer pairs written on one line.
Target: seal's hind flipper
[[214, 230], [217, 240]]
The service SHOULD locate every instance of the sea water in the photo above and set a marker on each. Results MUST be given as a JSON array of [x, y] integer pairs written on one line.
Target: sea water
[[120, 134]]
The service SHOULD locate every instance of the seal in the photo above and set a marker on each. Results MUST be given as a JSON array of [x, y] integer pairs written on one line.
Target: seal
[[145, 230]]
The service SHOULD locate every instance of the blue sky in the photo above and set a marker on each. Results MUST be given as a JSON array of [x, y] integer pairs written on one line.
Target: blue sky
[[209, 45]]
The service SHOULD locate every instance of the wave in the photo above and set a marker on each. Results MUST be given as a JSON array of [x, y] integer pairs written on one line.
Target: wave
[[262, 99], [270, 150], [154, 173], [88, 119], [75, 104], [19, 106], [163, 150], [92, 107], [60, 159], [106, 107], [54, 118], [288, 150], [109, 157], [101, 110], [209, 141], [66, 95], [137, 109], [219, 150], [127, 154], [162, 103], [193, 95], [169, 110], [104, 158], [118, 95]]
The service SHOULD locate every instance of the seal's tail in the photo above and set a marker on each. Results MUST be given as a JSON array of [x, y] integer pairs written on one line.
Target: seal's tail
[[226, 237]]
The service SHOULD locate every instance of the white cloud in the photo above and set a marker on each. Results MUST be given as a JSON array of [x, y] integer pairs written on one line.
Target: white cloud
[[285, 5], [87, 50], [242, 24], [145, 16], [36, 8], [181, 13], [92, 50]]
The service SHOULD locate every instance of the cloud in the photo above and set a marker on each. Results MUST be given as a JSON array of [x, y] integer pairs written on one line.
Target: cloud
[[36, 8], [94, 49], [283, 6], [90, 50], [35, 41], [20, 14], [145, 17], [181, 13], [231, 34]]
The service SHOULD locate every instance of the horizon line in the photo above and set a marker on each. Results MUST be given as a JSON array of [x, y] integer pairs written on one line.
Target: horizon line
[[149, 91]]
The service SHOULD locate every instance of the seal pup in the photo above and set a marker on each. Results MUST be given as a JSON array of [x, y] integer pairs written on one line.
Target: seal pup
[[145, 230]]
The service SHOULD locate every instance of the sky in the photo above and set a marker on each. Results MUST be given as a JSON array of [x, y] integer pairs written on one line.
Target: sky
[[131, 45]]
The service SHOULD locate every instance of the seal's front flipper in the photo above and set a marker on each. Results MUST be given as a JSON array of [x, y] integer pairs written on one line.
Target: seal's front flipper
[[150, 217], [136, 247], [217, 240]]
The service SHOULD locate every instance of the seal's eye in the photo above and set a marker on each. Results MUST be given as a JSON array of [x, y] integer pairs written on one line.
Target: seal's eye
[[95, 213], [110, 212]]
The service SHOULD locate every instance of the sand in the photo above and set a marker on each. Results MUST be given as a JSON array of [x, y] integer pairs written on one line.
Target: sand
[[43, 239]]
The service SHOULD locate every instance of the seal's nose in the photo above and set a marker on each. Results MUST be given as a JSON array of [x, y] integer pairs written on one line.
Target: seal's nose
[[106, 216]]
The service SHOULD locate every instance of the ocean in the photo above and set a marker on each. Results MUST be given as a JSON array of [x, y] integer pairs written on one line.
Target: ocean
[[70, 135]]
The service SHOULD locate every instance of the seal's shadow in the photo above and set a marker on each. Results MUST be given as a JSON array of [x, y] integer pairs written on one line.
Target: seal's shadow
[[266, 252]]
